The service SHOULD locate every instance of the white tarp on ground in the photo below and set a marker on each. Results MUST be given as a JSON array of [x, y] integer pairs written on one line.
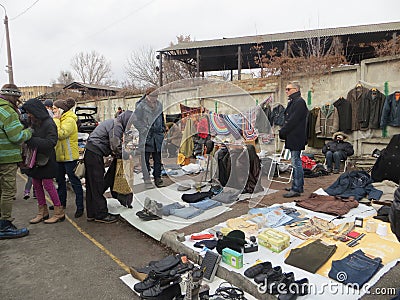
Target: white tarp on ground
[[130, 282], [165, 195], [319, 283]]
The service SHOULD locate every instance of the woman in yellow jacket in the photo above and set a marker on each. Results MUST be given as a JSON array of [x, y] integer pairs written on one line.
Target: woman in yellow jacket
[[67, 152]]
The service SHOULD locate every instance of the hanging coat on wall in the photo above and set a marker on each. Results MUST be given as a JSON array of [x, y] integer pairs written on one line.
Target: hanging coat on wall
[[355, 96], [370, 109], [327, 121], [313, 140], [344, 110], [387, 166], [391, 111]]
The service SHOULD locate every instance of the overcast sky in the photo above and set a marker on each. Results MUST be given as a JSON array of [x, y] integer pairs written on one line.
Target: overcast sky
[[46, 34]]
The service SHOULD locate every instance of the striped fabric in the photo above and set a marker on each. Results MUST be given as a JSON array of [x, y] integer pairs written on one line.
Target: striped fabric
[[12, 134]]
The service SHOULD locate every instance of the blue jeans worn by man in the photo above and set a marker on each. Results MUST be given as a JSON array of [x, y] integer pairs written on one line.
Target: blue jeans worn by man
[[335, 157], [298, 173]]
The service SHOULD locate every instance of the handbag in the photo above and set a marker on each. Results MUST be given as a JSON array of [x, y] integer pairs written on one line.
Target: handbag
[[80, 169], [121, 185], [28, 157]]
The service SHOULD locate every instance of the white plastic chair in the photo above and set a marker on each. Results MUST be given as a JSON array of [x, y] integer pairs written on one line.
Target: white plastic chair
[[282, 159]]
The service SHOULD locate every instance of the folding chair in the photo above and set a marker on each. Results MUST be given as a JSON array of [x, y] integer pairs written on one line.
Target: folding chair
[[344, 161], [282, 159]]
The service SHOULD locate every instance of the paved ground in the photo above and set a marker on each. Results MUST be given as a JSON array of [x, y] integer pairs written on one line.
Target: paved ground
[[72, 259], [77, 259]]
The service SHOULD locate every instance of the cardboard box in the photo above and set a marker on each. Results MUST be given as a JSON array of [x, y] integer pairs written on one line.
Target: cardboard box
[[232, 258], [274, 240]]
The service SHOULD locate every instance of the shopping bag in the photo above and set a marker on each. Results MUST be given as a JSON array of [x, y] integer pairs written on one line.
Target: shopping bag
[[80, 169], [120, 183], [28, 157]]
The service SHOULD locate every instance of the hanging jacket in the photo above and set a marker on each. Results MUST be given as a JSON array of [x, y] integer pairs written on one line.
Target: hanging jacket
[[327, 121], [370, 110], [67, 146], [387, 166], [344, 110], [391, 112], [357, 184], [278, 115], [355, 96]]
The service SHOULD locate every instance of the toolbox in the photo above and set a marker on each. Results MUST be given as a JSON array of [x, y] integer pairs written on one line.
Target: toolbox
[[274, 240]]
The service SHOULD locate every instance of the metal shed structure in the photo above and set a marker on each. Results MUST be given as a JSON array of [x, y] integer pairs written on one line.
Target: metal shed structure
[[238, 53]]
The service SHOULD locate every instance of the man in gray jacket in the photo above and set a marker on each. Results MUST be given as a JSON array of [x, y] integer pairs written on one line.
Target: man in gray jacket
[[149, 121], [105, 140]]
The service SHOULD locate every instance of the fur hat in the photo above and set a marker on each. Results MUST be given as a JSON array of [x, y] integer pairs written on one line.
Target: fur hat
[[11, 90], [66, 104], [339, 133]]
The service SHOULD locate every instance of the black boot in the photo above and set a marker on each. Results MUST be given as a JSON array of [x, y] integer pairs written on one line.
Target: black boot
[[165, 289], [9, 231]]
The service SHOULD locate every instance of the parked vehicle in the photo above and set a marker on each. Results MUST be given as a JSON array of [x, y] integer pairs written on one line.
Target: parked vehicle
[[86, 118]]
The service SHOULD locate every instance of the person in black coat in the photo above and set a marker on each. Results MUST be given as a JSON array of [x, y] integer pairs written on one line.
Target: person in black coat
[[44, 139], [336, 151], [294, 132]]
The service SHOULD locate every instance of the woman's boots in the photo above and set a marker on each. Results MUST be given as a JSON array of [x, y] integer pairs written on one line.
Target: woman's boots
[[58, 216], [42, 215]]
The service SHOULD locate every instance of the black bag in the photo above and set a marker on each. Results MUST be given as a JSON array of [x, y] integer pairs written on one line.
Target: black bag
[[387, 166], [394, 214]]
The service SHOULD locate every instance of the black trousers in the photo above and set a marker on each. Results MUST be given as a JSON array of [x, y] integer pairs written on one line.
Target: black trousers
[[146, 164], [96, 203]]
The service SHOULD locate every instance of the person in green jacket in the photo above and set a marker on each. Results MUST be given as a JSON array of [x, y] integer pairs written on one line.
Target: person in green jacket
[[12, 135]]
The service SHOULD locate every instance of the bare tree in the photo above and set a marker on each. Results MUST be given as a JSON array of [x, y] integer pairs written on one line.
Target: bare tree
[[65, 77], [92, 68], [142, 67]]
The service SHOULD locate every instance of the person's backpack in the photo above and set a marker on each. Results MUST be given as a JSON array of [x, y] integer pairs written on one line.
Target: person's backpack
[[394, 214]]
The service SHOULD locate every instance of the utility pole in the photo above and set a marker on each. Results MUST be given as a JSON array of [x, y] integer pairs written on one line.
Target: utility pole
[[9, 60]]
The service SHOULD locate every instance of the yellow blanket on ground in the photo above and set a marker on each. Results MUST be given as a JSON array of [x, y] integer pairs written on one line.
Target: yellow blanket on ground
[[386, 247]]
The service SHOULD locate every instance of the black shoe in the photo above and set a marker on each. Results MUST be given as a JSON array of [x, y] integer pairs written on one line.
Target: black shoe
[[78, 213], [282, 285], [150, 281], [253, 271], [291, 194], [159, 182], [272, 275], [9, 231], [164, 289], [107, 219], [296, 288]]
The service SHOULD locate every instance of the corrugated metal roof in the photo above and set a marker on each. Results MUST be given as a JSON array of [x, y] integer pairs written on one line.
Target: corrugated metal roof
[[76, 84], [295, 35]]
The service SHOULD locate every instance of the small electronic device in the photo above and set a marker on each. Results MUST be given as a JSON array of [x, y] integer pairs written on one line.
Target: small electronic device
[[358, 222], [252, 246], [209, 265]]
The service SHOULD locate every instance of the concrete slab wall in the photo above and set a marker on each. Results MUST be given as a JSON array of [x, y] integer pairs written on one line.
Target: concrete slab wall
[[235, 96]]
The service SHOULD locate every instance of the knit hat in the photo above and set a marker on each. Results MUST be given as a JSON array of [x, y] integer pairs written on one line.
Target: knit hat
[[11, 90], [66, 104], [48, 102]]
